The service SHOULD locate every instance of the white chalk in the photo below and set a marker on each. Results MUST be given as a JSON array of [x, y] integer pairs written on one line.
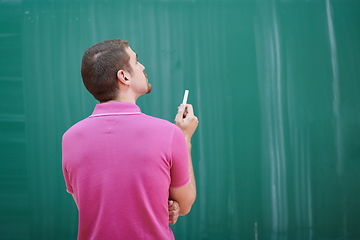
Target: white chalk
[[186, 94]]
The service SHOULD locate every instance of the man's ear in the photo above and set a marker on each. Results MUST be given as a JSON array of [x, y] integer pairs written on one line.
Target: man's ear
[[123, 77]]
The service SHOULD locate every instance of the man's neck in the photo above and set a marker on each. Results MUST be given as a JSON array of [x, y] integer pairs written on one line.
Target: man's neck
[[122, 99]]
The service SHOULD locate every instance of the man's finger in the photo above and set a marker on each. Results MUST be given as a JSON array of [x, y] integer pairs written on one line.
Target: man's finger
[[189, 110], [171, 205], [180, 113]]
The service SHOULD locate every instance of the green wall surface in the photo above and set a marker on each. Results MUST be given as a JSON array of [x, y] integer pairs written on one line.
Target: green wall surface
[[275, 85]]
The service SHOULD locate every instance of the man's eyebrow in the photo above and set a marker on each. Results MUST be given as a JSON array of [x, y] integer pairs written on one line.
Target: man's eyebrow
[[137, 57]]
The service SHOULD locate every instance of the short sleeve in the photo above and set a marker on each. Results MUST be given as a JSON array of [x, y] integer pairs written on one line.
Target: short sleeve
[[65, 151], [179, 172], [69, 188]]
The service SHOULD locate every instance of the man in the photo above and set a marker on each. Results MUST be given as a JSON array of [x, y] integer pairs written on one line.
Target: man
[[120, 165]]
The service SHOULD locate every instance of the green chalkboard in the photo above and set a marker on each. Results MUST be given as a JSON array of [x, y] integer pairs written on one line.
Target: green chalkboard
[[275, 85]]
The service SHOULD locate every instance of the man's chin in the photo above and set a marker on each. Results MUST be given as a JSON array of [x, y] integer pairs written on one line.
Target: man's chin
[[149, 88]]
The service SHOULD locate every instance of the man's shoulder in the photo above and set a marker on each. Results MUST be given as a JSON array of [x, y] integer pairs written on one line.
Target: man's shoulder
[[159, 122], [77, 127]]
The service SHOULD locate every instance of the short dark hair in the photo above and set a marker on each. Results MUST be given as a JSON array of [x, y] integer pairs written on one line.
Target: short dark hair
[[100, 65]]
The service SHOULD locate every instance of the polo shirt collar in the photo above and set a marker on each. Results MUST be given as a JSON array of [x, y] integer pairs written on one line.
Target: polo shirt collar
[[115, 108]]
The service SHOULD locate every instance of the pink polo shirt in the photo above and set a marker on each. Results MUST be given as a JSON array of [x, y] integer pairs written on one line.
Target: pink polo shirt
[[120, 163]]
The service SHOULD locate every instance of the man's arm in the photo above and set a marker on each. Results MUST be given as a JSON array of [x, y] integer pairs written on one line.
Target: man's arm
[[187, 122], [75, 200]]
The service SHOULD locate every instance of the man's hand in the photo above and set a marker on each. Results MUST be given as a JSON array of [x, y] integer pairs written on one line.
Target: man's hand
[[174, 210], [186, 120]]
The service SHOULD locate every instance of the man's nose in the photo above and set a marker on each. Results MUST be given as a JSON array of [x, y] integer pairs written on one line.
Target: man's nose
[[143, 67]]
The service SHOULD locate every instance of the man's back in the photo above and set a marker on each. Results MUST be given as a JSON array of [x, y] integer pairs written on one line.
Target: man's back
[[120, 164]]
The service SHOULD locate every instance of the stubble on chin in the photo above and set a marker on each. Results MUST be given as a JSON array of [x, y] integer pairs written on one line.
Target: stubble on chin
[[149, 88], [149, 85]]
